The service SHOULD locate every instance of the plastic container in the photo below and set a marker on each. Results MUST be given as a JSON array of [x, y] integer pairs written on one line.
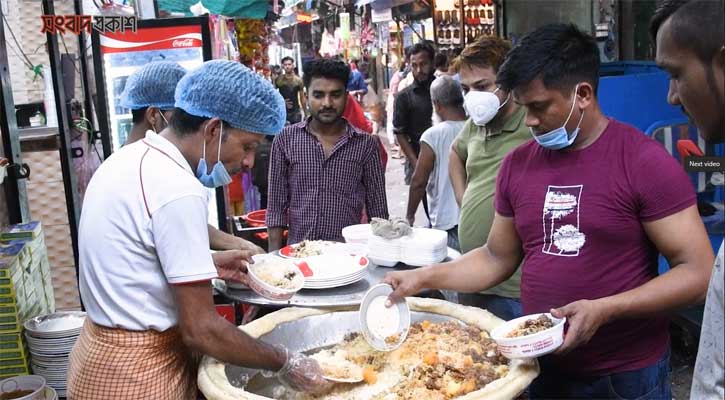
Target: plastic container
[[270, 292], [359, 233], [35, 383], [257, 258], [382, 262], [530, 346], [377, 322], [256, 218]]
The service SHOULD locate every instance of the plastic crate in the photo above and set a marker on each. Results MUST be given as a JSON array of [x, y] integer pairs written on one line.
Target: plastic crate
[[9, 372], [14, 345], [13, 354]]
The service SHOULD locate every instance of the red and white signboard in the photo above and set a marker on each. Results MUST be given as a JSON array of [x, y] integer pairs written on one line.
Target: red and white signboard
[[159, 38]]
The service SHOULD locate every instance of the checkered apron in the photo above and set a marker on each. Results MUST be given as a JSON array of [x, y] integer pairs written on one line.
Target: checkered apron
[[109, 363]]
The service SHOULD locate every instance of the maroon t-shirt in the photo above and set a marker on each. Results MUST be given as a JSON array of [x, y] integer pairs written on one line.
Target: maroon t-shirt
[[579, 215]]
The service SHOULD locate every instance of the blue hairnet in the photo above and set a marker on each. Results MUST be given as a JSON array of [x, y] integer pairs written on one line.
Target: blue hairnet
[[152, 85], [233, 93]]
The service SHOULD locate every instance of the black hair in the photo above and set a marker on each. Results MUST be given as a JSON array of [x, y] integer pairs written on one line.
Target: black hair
[[560, 55], [275, 69], [698, 25], [441, 61], [138, 115], [288, 58], [423, 47], [326, 68], [184, 123]]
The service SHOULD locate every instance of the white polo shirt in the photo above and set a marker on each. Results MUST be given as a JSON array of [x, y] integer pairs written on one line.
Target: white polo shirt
[[143, 228]]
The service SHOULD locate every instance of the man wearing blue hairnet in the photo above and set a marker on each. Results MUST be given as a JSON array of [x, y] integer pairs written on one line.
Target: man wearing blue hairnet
[[145, 267], [149, 93]]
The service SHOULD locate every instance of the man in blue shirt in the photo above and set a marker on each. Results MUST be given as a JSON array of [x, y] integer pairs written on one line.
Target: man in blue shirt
[[356, 85]]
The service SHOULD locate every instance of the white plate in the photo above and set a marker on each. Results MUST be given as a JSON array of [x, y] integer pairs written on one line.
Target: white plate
[[373, 315], [342, 278], [334, 266], [334, 285], [286, 252], [55, 342], [58, 324], [337, 280]]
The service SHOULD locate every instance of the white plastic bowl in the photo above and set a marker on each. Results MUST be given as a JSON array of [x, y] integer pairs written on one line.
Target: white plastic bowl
[[359, 233], [382, 262], [257, 258], [530, 346], [35, 383], [268, 291]]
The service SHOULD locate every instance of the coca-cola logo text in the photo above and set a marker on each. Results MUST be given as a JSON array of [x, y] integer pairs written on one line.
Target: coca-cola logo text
[[183, 43]]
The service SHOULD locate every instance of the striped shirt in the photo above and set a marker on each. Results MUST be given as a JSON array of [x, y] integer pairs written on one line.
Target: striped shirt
[[316, 196]]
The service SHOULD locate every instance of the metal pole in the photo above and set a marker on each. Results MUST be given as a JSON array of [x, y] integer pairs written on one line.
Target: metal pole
[[14, 184], [64, 134], [82, 48]]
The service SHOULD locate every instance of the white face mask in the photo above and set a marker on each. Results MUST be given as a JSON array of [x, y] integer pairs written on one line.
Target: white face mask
[[483, 106]]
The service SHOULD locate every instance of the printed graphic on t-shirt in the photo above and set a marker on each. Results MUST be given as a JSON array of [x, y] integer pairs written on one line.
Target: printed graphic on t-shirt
[[562, 236]]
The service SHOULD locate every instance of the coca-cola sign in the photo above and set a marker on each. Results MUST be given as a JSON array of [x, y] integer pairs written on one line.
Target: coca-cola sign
[[183, 43]]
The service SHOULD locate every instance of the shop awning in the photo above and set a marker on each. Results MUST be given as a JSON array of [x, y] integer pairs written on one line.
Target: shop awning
[[382, 4]]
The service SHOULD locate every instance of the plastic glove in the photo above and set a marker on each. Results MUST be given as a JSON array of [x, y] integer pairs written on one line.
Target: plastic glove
[[303, 374]]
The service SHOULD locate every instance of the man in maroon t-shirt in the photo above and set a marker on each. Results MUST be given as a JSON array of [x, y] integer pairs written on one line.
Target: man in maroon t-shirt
[[587, 206]]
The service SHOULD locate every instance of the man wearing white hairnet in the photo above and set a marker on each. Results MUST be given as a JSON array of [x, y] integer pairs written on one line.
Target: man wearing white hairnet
[[145, 267]]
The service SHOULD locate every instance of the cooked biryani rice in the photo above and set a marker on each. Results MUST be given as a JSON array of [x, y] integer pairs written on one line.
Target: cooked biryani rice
[[309, 248], [437, 361], [278, 274], [531, 326]]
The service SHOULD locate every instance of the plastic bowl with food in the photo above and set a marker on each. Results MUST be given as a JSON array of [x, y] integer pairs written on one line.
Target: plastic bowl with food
[[29, 387], [529, 336], [275, 278]]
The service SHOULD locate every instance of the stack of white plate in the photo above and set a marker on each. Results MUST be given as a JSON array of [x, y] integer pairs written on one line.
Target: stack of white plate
[[51, 338], [333, 270], [384, 252], [421, 247], [357, 233], [425, 246]]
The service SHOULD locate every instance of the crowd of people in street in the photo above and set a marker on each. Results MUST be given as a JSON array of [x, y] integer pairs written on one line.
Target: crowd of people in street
[[505, 148]]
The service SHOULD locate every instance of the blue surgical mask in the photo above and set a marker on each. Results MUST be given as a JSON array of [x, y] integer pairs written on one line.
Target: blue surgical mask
[[559, 138], [219, 175]]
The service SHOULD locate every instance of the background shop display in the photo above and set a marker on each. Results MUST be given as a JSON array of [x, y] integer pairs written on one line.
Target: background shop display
[[118, 55]]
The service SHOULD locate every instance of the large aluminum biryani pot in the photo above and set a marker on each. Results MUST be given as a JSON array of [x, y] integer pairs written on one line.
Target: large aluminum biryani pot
[[309, 329]]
